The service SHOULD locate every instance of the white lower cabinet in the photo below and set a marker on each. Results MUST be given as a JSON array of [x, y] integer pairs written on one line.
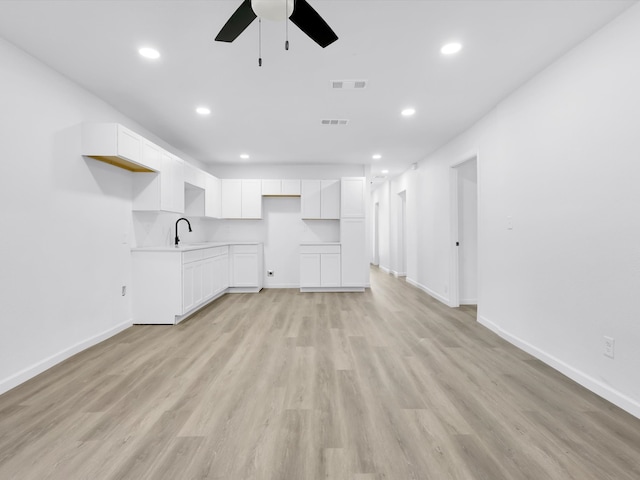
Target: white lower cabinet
[[170, 284], [319, 266], [355, 264], [246, 263]]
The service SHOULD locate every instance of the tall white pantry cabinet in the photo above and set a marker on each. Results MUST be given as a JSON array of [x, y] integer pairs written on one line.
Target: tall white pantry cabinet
[[353, 232]]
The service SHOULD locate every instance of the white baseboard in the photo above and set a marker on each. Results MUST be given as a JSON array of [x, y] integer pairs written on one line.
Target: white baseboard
[[433, 294], [282, 285], [384, 269], [331, 289], [469, 301], [398, 274], [45, 364], [614, 396]]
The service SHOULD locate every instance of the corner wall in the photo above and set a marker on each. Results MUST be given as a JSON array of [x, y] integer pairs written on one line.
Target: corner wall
[[66, 222], [559, 156]]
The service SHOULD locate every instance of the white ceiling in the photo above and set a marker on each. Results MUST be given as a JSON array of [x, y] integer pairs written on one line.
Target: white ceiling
[[274, 112]]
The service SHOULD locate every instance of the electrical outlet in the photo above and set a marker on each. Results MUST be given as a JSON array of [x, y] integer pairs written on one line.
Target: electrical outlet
[[609, 347], [124, 290], [269, 273]]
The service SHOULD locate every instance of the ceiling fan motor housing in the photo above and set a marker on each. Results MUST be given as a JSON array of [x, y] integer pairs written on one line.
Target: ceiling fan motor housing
[[273, 9]]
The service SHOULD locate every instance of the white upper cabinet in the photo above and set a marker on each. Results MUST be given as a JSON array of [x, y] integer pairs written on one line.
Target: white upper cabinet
[[231, 198], [352, 195], [194, 176], [151, 155], [251, 199], [112, 143], [163, 191], [212, 197], [281, 188], [291, 188], [241, 198], [320, 199], [310, 199], [330, 199], [271, 187]]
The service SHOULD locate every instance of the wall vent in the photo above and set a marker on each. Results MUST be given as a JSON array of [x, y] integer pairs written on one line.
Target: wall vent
[[334, 121], [349, 84]]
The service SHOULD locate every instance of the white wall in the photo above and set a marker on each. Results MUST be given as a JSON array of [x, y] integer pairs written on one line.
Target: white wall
[[559, 155], [65, 220]]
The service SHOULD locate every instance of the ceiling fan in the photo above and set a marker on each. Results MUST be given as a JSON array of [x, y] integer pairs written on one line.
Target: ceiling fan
[[299, 12]]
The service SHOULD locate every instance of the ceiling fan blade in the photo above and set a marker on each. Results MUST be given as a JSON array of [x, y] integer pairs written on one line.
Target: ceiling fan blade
[[311, 23], [238, 22]]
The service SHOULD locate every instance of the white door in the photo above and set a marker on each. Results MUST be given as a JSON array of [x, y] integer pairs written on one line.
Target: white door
[[467, 226]]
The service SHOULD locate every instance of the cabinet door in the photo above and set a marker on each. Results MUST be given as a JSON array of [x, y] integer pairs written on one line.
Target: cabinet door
[[171, 183], [224, 271], [291, 187], [231, 193], [310, 198], [352, 197], [330, 270], [271, 187], [177, 184], [151, 155], [221, 273], [309, 270], [208, 278], [188, 285], [212, 197], [129, 144], [330, 198], [245, 270], [353, 245], [251, 199]]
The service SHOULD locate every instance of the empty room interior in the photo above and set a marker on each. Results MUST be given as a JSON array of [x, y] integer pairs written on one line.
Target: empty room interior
[[320, 239]]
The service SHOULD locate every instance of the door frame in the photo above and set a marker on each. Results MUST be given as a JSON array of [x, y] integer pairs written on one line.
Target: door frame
[[454, 263]]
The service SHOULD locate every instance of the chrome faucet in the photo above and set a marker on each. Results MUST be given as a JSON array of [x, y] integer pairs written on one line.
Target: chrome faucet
[[177, 238]]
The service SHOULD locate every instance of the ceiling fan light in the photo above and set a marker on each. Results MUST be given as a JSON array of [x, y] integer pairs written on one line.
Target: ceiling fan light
[[272, 9]]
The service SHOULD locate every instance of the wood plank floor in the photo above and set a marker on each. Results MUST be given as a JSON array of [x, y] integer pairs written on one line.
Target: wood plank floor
[[388, 384]]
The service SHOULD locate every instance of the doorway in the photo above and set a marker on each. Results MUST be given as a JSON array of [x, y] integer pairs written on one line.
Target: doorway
[[464, 219], [401, 267], [376, 234]]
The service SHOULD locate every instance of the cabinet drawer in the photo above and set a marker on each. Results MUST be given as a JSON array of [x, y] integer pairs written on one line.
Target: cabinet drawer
[[192, 256], [214, 252], [319, 248], [245, 248]]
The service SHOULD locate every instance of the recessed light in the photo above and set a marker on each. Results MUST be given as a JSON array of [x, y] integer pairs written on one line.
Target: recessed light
[[148, 52], [385, 172], [407, 112], [203, 111], [451, 48], [244, 156], [377, 156]]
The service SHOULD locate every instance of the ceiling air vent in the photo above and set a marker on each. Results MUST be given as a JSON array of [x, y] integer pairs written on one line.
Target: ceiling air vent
[[334, 121], [349, 84]]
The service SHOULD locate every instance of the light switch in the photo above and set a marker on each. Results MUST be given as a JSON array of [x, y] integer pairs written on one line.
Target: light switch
[[509, 223]]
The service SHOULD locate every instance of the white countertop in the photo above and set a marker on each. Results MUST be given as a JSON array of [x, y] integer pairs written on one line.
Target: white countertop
[[185, 247]]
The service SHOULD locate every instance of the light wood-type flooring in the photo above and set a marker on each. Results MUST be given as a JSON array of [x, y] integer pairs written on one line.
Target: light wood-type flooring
[[387, 384]]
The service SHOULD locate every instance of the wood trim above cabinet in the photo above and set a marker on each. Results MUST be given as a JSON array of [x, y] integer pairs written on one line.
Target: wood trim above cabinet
[[121, 162]]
